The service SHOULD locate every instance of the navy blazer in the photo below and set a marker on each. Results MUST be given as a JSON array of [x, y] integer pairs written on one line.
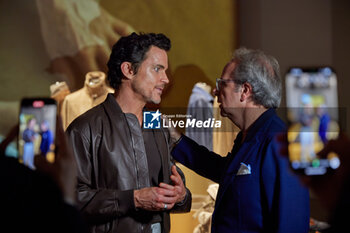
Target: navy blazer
[[266, 196]]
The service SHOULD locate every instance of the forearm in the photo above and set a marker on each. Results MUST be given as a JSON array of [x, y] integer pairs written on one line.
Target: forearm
[[199, 158], [103, 205]]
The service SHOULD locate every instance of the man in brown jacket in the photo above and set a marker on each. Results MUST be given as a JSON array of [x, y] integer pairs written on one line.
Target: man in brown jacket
[[127, 181]]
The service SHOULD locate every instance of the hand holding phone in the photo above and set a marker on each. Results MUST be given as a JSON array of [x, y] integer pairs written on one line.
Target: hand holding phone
[[328, 187], [37, 125], [63, 170], [313, 118]]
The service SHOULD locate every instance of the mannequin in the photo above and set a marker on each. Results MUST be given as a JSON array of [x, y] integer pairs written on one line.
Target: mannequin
[[204, 213], [204, 86], [59, 91], [94, 92], [200, 107]]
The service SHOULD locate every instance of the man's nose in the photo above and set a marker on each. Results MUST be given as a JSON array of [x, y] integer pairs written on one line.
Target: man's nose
[[165, 79]]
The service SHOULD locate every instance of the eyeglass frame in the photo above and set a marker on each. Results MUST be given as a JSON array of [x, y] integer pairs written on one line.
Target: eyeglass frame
[[218, 80]]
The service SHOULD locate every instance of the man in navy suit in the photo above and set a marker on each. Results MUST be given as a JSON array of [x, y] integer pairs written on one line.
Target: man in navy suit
[[258, 192]]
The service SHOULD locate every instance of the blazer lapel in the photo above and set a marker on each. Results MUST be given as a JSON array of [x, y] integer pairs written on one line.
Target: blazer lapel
[[232, 169]]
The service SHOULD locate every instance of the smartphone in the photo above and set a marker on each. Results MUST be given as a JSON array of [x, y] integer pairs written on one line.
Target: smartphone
[[313, 118], [37, 125]]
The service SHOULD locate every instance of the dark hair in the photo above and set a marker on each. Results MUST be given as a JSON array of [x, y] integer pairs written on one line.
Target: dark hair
[[132, 49]]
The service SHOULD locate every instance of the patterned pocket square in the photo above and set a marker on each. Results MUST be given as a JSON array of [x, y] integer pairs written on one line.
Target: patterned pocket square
[[244, 169]]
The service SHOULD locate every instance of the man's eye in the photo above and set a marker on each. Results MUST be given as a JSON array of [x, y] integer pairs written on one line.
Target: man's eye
[[156, 69]]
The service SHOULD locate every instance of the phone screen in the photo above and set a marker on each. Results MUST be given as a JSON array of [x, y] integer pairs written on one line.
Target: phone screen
[[313, 117], [37, 125]]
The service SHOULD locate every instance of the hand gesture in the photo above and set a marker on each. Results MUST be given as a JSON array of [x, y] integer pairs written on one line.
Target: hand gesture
[[155, 198], [174, 134], [327, 187], [163, 197], [179, 186]]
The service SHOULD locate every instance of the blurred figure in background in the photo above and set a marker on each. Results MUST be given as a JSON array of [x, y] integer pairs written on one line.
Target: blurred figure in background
[[29, 136], [46, 137]]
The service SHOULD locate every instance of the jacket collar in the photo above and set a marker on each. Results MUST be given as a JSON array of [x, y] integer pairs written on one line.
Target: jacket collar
[[113, 105], [259, 125]]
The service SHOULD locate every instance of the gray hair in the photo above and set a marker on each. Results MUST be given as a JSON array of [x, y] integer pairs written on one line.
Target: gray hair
[[262, 72]]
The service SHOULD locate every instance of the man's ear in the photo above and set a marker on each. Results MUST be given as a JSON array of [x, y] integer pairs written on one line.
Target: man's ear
[[127, 70], [246, 91]]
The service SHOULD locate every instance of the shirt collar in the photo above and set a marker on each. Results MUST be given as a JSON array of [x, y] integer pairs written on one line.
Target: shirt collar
[[259, 123]]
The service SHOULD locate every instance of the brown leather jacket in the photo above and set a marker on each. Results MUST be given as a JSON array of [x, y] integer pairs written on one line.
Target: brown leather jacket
[[108, 146]]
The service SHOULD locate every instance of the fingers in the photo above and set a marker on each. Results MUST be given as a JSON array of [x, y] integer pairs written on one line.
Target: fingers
[[119, 26], [174, 171], [178, 187], [169, 191], [166, 194], [161, 206], [167, 187], [64, 149], [9, 138], [43, 165], [339, 146], [167, 200], [154, 198], [175, 177], [325, 151], [174, 134], [122, 28]]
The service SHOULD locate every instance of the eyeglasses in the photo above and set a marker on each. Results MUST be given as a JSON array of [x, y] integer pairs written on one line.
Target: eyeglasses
[[219, 82]]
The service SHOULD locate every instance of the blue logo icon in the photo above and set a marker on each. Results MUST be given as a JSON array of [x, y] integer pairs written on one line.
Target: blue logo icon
[[151, 120]]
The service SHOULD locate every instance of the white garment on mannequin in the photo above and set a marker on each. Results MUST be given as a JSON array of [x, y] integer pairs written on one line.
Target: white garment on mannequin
[[200, 107], [204, 86]]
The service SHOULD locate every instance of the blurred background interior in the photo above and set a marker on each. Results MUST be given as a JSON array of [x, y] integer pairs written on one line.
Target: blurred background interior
[[48, 47]]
